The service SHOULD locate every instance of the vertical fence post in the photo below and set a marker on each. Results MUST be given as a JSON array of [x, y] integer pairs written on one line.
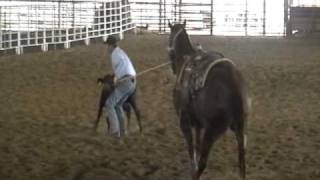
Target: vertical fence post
[[67, 43], [264, 18], [44, 46], [180, 4], [102, 19], [105, 19], [73, 15], [1, 28], [160, 15], [211, 19], [121, 28], [9, 39], [246, 19], [36, 37], [1, 39], [87, 40], [59, 14], [43, 40], [287, 26], [19, 48], [175, 10], [104, 37], [165, 16]]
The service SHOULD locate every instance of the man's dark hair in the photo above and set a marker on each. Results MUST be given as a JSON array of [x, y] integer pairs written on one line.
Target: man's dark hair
[[111, 40]]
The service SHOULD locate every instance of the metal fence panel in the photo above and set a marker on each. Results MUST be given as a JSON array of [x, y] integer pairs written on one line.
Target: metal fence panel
[[214, 17], [27, 23]]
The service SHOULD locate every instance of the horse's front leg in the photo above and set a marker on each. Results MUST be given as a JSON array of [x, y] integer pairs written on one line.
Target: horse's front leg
[[198, 144], [103, 97], [96, 122], [186, 129]]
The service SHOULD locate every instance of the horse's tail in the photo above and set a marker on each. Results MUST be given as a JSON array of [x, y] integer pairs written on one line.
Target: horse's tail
[[242, 134], [242, 103], [242, 137]]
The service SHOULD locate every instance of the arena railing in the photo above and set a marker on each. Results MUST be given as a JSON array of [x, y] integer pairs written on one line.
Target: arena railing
[[42, 23]]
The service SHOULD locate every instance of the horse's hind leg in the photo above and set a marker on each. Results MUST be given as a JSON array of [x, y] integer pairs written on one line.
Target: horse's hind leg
[[205, 149], [198, 132], [239, 132], [186, 129], [211, 134]]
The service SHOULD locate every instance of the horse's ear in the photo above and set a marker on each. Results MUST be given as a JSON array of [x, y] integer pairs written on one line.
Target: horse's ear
[[184, 23], [100, 81], [169, 24]]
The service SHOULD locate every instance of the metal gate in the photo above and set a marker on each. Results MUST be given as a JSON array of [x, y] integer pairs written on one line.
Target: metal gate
[[213, 17]]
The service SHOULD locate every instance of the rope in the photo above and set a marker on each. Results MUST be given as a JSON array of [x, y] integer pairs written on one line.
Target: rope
[[145, 71], [153, 68]]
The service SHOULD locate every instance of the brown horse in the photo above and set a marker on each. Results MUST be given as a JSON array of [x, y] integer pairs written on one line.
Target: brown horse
[[108, 87], [209, 97]]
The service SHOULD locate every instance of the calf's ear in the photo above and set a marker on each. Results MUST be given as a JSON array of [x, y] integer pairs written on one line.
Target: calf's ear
[[99, 80]]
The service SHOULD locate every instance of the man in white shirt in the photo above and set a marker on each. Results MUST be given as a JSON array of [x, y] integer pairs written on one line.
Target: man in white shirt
[[125, 84]]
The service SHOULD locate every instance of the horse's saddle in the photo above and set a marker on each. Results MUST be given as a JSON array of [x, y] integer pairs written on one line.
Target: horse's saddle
[[194, 72]]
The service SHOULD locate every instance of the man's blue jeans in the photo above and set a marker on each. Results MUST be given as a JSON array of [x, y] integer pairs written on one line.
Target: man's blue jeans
[[114, 105]]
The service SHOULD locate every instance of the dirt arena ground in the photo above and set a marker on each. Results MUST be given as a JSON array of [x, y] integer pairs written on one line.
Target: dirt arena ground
[[48, 102]]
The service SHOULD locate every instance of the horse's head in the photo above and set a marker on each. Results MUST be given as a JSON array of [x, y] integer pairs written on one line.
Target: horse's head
[[107, 81], [174, 31], [179, 45]]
